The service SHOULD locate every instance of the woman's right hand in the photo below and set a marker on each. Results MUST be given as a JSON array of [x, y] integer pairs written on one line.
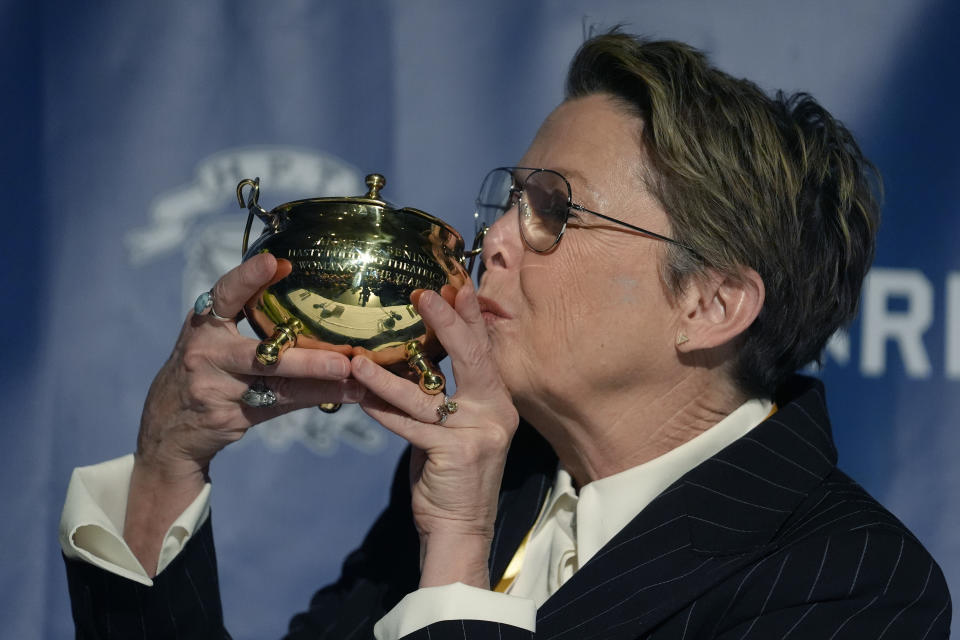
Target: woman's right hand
[[194, 407]]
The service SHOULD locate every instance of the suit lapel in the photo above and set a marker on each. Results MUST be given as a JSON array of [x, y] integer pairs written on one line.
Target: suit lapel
[[715, 520]]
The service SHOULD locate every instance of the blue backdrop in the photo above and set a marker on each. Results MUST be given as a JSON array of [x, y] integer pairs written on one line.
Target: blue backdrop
[[128, 125]]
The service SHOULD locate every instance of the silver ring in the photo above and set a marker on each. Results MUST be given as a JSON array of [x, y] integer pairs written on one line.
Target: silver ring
[[259, 395], [204, 305], [446, 408]]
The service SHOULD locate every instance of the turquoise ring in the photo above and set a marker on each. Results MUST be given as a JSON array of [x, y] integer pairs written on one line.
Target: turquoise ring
[[204, 305]]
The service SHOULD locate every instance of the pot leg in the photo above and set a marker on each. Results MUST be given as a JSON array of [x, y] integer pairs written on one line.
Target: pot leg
[[432, 381]]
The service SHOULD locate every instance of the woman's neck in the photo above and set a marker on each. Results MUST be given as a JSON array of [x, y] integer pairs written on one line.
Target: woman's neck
[[625, 428]]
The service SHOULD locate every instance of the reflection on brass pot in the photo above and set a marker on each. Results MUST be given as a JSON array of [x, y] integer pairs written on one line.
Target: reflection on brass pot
[[355, 260]]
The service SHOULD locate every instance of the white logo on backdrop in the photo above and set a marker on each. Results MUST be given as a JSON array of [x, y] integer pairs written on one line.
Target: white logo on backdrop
[[204, 222]]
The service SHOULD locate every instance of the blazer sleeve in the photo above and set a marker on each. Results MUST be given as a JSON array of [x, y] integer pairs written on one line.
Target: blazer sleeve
[[869, 582], [184, 601]]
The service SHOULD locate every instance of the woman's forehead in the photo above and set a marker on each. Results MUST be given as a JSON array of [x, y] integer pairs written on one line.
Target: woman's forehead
[[592, 141]]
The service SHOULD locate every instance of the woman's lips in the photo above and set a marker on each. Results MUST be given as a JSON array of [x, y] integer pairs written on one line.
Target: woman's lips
[[490, 309]]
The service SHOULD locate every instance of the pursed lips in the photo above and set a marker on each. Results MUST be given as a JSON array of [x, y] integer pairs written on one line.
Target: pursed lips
[[490, 309]]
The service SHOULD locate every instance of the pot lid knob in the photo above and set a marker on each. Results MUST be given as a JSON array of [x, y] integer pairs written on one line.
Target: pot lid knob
[[375, 182]]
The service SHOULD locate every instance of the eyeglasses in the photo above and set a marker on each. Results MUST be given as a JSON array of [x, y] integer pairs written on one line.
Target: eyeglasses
[[545, 205]]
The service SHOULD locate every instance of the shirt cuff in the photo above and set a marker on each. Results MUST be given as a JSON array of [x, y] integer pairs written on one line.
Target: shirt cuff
[[455, 601], [91, 525]]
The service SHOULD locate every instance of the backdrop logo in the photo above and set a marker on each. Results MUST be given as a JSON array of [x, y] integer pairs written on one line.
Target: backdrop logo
[[202, 220]]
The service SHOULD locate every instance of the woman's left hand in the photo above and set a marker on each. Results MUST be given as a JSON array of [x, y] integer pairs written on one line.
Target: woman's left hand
[[457, 466]]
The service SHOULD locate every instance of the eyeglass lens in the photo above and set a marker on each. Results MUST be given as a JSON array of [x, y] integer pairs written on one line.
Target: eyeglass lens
[[543, 204]]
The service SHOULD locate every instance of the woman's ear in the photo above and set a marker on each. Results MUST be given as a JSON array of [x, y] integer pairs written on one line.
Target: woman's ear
[[717, 308]]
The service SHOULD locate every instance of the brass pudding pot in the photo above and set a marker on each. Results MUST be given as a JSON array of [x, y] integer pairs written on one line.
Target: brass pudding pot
[[355, 260]]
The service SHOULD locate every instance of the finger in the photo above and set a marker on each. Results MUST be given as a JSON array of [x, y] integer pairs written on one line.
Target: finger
[[221, 405], [416, 433], [396, 391], [393, 359], [468, 306], [284, 268], [293, 394], [244, 281], [415, 296], [449, 293], [467, 346], [238, 354]]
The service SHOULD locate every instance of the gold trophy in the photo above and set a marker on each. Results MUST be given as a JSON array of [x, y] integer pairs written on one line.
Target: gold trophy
[[355, 260]]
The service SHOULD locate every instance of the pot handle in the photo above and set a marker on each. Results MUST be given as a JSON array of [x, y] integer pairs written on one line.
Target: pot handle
[[252, 204]]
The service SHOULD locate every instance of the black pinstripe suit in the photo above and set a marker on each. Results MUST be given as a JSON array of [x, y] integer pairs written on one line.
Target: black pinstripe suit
[[767, 539]]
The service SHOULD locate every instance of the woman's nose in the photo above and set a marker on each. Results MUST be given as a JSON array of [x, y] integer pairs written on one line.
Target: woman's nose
[[502, 246]]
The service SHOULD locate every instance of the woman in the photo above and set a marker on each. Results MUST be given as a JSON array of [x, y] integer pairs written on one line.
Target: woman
[[672, 247]]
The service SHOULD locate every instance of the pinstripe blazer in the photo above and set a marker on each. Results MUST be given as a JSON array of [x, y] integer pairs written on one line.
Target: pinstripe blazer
[[767, 539]]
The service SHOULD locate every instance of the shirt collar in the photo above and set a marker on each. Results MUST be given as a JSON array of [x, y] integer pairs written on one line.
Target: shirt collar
[[607, 505]]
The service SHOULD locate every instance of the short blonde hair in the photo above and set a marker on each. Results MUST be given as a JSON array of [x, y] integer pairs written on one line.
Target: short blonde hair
[[771, 183]]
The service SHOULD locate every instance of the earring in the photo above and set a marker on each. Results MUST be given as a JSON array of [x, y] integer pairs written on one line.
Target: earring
[[681, 339]]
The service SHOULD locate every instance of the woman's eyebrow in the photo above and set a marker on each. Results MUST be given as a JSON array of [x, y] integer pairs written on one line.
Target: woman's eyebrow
[[578, 184]]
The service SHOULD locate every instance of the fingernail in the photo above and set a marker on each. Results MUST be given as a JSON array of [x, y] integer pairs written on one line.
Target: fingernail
[[361, 365], [340, 368], [266, 264], [429, 299]]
